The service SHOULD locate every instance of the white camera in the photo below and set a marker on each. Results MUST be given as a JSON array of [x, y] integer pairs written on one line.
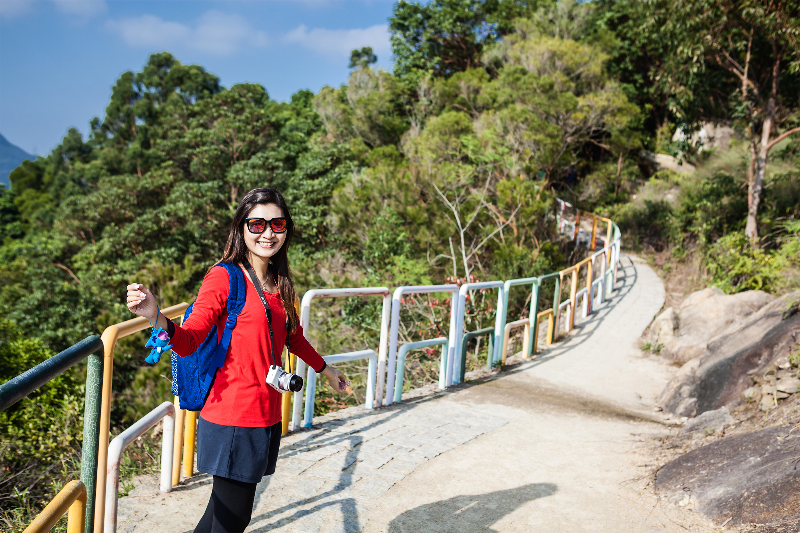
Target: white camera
[[283, 381]]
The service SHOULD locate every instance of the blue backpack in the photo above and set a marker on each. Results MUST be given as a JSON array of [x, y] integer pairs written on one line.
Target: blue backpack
[[193, 375]]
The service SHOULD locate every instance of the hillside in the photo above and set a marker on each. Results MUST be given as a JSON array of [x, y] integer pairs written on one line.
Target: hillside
[[10, 158]]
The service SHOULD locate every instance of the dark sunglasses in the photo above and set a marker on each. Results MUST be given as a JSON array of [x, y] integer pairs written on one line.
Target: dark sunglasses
[[259, 225]]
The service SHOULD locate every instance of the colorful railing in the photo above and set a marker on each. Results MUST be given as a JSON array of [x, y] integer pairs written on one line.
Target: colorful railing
[[110, 337], [19, 387], [385, 376]]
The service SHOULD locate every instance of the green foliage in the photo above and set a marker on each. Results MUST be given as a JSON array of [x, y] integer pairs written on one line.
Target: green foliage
[[40, 436], [362, 58], [735, 266]]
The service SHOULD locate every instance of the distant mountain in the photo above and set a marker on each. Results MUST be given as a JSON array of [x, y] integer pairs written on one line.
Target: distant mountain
[[10, 158]]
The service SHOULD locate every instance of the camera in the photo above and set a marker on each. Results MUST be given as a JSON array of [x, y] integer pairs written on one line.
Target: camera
[[283, 381]]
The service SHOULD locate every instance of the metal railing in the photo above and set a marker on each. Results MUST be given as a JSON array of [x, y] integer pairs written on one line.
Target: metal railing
[[461, 368], [71, 499], [305, 320], [311, 380], [494, 355], [385, 376], [19, 387], [446, 365], [165, 411], [401, 361], [110, 337]]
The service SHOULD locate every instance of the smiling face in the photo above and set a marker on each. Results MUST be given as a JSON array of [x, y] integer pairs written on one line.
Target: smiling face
[[264, 245]]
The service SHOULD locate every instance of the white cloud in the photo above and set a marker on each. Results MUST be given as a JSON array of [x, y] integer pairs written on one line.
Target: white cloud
[[81, 7], [216, 32], [342, 42]]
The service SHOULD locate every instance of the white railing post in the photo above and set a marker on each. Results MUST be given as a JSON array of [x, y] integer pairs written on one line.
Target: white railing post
[[394, 332], [305, 320], [166, 411]]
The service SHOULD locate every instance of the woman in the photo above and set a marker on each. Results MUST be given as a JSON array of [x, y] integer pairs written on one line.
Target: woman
[[240, 424]]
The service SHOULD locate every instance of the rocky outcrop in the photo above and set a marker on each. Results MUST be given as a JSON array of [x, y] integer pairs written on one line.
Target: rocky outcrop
[[722, 373], [702, 316], [743, 479], [667, 162]]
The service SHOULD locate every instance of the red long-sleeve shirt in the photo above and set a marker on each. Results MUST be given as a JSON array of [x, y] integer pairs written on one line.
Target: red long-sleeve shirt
[[240, 395]]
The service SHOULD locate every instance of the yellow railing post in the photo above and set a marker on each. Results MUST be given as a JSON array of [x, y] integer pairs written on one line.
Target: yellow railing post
[[550, 327], [72, 499], [110, 337], [286, 402], [177, 446], [190, 433], [594, 232], [577, 225]]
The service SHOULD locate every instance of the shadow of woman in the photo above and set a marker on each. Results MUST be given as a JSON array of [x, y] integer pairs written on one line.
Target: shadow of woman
[[472, 513]]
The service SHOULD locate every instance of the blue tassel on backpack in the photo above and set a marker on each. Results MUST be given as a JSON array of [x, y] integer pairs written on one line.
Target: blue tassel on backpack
[[193, 375]]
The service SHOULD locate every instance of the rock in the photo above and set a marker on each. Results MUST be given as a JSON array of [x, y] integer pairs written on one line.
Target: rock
[[709, 421], [708, 136], [706, 314], [667, 162], [788, 385], [720, 376], [783, 363], [751, 393], [767, 402], [748, 478], [662, 330]]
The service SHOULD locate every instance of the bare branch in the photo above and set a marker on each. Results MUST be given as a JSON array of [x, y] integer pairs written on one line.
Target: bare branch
[[781, 137]]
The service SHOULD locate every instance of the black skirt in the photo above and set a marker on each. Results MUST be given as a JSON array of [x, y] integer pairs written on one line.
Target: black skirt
[[240, 453]]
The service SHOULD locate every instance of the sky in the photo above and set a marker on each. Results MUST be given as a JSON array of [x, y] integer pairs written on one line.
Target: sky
[[60, 58]]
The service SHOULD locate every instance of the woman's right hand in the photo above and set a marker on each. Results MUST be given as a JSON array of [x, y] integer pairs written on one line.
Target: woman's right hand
[[142, 302]]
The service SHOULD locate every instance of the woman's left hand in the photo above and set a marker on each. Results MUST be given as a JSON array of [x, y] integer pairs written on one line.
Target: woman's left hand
[[335, 379]]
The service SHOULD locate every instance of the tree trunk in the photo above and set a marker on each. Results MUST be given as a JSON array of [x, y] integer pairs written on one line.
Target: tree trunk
[[754, 194]]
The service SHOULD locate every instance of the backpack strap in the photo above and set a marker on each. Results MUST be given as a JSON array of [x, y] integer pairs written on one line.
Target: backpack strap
[[235, 303]]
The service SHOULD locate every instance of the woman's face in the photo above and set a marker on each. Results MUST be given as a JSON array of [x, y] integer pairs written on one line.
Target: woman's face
[[266, 244]]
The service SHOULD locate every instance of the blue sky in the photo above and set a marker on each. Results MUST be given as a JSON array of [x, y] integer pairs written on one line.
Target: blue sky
[[60, 58]]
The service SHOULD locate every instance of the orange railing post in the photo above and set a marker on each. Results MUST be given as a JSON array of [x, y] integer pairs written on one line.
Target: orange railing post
[[72, 499], [110, 337]]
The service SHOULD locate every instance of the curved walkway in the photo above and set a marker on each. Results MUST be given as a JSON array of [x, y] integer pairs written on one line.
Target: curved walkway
[[559, 443]]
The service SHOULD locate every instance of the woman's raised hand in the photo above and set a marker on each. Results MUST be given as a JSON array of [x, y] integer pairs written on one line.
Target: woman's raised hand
[[336, 379], [141, 301]]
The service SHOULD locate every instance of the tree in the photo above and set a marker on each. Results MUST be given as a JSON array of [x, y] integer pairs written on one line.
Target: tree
[[362, 58], [757, 46]]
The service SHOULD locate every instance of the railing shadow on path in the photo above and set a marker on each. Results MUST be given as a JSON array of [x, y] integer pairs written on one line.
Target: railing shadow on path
[[469, 513]]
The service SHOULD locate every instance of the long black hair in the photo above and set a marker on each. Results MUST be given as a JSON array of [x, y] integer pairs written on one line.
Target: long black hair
[[236, 250]]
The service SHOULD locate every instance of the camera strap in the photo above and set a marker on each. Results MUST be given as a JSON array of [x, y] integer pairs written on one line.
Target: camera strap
[[260, 292]]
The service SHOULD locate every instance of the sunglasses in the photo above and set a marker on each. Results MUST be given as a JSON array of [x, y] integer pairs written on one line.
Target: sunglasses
[[259, 225]]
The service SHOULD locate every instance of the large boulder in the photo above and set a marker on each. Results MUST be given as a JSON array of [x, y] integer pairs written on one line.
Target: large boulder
[[721, 374], [743, 479], [662, 330], [704, 315]]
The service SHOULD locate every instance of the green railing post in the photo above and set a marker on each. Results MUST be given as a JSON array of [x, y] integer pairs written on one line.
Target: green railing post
[[469, 336], [91, 433]]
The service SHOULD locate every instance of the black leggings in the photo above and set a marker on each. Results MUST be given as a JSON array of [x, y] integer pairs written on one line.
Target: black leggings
[[229, 508]]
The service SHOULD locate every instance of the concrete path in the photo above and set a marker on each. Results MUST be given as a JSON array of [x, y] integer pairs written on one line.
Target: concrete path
[[559, 443]]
